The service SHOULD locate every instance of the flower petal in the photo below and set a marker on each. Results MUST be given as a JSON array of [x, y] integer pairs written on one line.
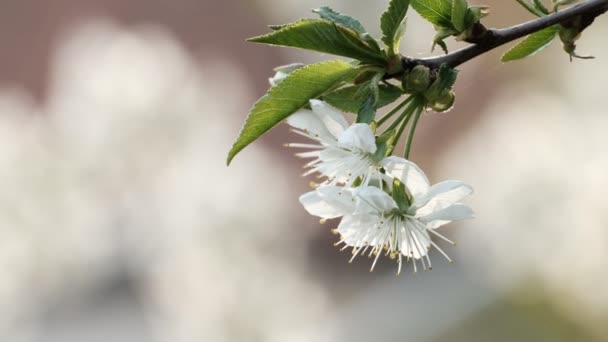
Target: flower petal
[[358, 137], [316, 206], [354, 229], [328, 202], [340, 198], [373, 201], [440, 196], [309, 122], [333, 120], [444, 216], [407, 172]]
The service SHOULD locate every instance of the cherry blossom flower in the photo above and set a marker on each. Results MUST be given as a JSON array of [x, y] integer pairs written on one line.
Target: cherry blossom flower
[[374, 222]]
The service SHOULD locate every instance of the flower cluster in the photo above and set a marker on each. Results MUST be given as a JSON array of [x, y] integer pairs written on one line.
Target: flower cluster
[[386, 203]]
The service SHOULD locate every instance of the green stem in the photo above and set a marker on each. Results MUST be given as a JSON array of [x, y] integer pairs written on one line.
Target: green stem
[[404, 123], [410, 136], [404, 119], [530, 8], [394, 111], [399, 119]]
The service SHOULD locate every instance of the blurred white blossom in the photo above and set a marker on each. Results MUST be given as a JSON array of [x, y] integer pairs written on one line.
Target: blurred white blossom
[[540, 165], [126, 164]]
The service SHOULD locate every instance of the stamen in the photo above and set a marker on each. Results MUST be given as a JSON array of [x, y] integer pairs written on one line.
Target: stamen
[[299, 145], [442, 252], [355, 253], [399, 262], [374, 264], [442, 237]]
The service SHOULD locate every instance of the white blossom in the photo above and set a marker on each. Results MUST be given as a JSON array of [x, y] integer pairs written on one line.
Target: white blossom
[[342, 153], [373, 222]]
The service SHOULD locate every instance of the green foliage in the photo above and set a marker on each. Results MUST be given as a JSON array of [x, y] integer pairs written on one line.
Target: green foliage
[[442, 34], [437, 12], [290, 95], [532, 44], [350, 98], [450, 18], [341, 19], [392, 24], [324, 36], [459, 13], [446, 78], [367, 111]]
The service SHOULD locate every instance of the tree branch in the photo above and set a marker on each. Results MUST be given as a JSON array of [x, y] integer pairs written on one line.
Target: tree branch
[[494, 38]]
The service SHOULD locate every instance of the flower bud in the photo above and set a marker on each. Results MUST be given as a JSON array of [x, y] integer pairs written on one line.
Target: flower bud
[[444, 103], [418, 79], [282, 72]]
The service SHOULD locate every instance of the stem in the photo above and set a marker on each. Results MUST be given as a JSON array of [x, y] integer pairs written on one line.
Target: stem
[[410, 110], [402, 116], [404, 119], [530, 8], [497, 37], [393, 112], [410, 136]]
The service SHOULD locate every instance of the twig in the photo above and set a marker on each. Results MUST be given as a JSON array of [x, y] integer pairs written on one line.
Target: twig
[[494, 38]]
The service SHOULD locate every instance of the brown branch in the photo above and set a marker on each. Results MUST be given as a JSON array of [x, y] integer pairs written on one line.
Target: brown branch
[[494, 38]]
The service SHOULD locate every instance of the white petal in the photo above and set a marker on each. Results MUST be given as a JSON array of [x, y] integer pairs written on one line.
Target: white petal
[[407, 172], [446, 215], [315, 205], [440, 196], [333, 120], [354, 229], [341, 199], [373, 201], [358, 137], [308, 121]]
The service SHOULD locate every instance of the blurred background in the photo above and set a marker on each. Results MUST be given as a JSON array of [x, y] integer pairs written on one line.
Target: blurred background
[[119, 220]]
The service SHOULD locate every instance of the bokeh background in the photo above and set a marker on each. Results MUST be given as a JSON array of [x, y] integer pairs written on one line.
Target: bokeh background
[[119, 220]]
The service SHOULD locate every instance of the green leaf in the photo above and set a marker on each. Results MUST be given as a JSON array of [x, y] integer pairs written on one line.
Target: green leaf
[[367, 112], [342, 19], [440, 36], [323, 36], [348, 22], [437, 12], [474, 14], [446, 78], [287, 97], [393, 23], [459, 13], [350, 99], [531, 45]]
